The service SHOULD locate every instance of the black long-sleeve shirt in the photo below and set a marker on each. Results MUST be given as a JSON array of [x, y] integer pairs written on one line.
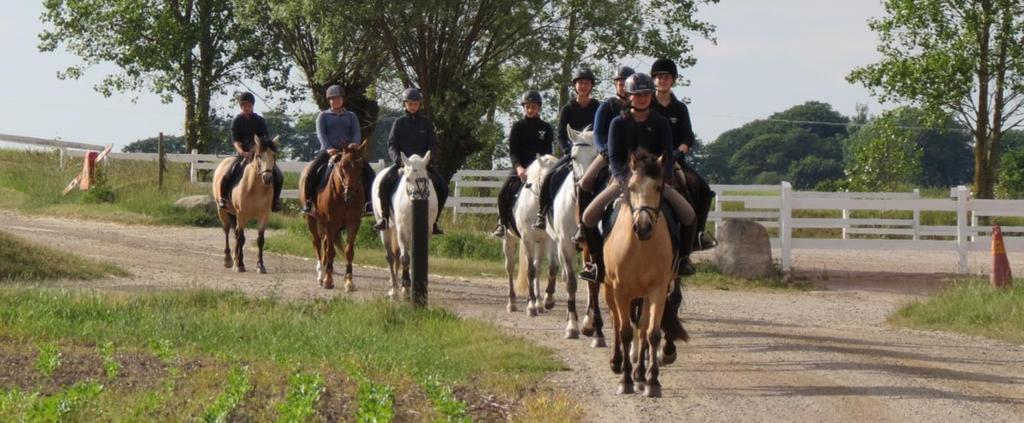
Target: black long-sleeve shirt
[[679, 120], [576, 116], [528, 138], [627, 135], [244, 128], [411, 134]]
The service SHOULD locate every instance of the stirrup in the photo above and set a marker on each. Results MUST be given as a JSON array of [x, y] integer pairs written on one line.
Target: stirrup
[[380, 225], [307, 208], [499, 232], [705, 242], [684, 267], [591, 273], [577, 237], [541, 222], [222, 203]]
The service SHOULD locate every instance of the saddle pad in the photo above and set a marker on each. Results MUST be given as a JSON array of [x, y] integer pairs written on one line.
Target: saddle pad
[[558, 178]]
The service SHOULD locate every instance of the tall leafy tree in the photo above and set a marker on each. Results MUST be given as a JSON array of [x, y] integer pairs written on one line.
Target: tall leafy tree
[[963, 58], [190, 49]]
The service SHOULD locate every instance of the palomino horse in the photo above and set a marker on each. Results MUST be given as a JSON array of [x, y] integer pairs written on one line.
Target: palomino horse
[[414, 181], [638, 258], [339, 205], [534, 244], [251, 199], [561, 229]]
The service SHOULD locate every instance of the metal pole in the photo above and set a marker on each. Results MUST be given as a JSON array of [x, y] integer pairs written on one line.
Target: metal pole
[[420, 250]]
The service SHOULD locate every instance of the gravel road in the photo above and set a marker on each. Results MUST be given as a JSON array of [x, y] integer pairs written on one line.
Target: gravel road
[[823, 355]]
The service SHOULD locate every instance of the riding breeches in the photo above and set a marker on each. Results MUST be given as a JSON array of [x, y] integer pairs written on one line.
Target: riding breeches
[[593, 173], [596, 209]]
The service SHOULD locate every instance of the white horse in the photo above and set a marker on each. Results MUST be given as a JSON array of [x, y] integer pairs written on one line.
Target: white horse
[[562, 227], [534, 244], [397, 238]]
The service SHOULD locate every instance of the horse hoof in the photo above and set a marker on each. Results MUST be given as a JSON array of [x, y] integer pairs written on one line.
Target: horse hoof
[[329, 285], [572, 334], [588, 332], [391, 294], [532, 311], [667, 359], [652, 391], [511, 307], [626, 388], [598, 343], [350, 287], [262, 270], [240, 269], [549, 302], [639, 386], [227, 263]]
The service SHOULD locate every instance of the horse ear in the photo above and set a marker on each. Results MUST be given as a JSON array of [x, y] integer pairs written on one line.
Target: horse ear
[[573, 134], [426, 159], [632, 161], [405, 159], [259, 142], [661, 160], [362, 145]]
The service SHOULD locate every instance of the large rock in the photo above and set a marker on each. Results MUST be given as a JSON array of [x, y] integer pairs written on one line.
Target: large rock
[[197, 202], [743, 249]]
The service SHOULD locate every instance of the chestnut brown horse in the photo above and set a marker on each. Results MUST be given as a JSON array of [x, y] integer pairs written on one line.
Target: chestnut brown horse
[[339, 206], [251, 199], [638, 259]]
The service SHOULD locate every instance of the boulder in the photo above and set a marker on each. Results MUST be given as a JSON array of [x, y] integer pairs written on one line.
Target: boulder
[[197, 202], [743, 250]]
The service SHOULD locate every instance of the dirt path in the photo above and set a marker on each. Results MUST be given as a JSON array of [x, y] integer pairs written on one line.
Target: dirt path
[[762, 356]]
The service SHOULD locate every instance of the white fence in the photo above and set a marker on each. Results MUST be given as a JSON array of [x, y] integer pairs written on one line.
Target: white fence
[[779, 208], [785, 210]]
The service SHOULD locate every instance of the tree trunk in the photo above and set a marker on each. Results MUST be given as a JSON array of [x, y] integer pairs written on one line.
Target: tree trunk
[[569, 57], [982, 177], [189, 95], [205, 85]]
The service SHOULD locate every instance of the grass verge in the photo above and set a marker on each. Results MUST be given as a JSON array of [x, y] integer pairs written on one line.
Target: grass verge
[[709, 276], [21, 260], [969, 306]]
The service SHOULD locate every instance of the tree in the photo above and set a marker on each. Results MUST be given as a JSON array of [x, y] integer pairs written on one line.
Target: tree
[[328, 47], [810, 171], [1011, 181], [963, 58], [884, 156], [191, 49], [173, 144]]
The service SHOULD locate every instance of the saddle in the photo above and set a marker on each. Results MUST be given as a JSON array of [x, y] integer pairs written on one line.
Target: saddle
[[323, 174], [234, 174], [558, 177]]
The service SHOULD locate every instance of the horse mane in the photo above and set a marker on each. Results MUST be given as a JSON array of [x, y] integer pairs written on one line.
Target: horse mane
[[646, 165]]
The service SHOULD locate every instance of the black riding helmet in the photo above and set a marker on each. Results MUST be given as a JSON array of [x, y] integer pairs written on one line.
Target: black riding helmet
[[335, 91], [663, 66], [246, 97], [532, 97], [584, 73], [624, 72], [639, 83], [412, 94]]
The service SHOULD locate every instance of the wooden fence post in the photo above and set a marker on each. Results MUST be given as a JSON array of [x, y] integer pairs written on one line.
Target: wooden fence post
[[786, 226]]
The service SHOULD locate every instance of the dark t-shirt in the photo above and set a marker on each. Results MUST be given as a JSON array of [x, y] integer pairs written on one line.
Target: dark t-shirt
[[577, 117], [528, 138], [244, 129], [679, 120], [627, 135]]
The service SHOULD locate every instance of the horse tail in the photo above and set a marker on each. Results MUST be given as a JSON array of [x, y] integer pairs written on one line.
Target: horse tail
[[673, 328], [522, 278]]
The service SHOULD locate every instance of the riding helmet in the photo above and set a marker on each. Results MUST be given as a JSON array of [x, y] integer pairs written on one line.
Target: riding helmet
[[412, 94], [639, 83], [246, 97], [664, 65], [532, 97], [335, 91], [624, 72], [584, 73]]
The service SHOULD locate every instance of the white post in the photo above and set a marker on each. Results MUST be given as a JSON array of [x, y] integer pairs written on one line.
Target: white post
[[192, 173], [974, 225], [63, 154], [846, 223], [718, 212], [786, 226], [458, 196], [917, 215], [961, 227]]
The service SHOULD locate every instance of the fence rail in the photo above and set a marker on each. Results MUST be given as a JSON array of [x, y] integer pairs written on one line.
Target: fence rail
[[784, 211]]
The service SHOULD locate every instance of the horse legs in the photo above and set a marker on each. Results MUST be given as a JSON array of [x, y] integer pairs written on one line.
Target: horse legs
[[510, 265], [593, 323], [640, 348], [227, 245], [572, 329], [635, 313], [260, 241], [327, 247], [532, 278], [549, 293], [625, 335], [675, 298], [389, 254], [239, 245], [617, 356], [655, 307], [350, 243], [314, 235], [406, 281]]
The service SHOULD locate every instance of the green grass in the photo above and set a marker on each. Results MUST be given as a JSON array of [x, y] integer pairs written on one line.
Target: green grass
[[969, 306], [48, 359], [36, 407], [388, 343], [709, 276], [21, 260], [111, 368]]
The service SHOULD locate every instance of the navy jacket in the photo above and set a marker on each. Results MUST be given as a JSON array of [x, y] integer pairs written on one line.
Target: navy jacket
[[528, 138], [627, 135], [411, 134]]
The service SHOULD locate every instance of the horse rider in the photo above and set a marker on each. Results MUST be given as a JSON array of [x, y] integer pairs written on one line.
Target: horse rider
[[530, 136], [336, 127], [244, 128], [665, 74], [595, 175], [578, 114], [635, 128], [411, 134]]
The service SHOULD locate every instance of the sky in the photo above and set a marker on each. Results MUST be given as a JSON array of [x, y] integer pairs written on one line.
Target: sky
[[769, 56]]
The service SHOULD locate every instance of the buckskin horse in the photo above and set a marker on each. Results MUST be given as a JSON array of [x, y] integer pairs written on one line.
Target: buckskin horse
[[251, 198], [638, 259], [339, 206]]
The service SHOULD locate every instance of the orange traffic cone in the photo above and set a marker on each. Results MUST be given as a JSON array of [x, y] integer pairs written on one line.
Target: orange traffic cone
[[1001, 276]]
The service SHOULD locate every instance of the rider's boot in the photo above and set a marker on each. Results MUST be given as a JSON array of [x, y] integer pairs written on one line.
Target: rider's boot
[[593, 271]]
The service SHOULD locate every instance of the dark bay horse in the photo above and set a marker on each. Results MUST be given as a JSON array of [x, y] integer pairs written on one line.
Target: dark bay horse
[[339, 206]]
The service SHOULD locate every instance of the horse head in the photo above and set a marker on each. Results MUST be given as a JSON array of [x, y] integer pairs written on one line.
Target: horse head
[[414, 174], [265, 158], [348, 168], [644, 191], [583, 150], [537, 170]]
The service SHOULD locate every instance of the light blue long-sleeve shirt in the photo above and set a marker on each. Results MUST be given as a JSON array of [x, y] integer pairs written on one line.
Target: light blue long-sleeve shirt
[[336, 130]]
